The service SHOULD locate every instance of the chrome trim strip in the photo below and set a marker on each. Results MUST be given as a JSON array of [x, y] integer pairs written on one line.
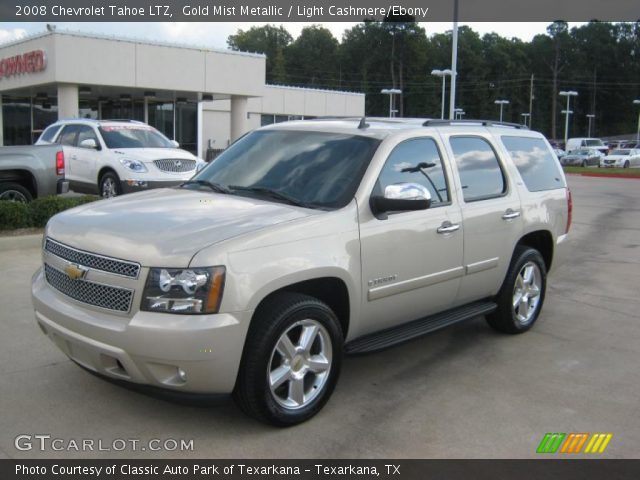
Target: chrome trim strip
[[414, 283], [482, 266]]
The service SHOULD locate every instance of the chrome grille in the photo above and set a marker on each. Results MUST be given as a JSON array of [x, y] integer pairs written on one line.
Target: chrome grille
[[104, 296], [91, 260], [175, 165]]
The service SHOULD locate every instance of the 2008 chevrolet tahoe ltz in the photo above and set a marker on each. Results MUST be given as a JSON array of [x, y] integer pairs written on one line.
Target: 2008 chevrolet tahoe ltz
[[304, 241]]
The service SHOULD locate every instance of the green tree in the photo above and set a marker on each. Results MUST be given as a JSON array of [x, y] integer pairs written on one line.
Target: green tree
[[312, 58], [268, 39]]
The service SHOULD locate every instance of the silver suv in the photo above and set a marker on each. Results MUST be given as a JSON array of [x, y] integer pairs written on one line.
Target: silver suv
[[304, 241]]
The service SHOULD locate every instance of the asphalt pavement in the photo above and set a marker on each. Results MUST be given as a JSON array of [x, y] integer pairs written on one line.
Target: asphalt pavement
[[464, 392]]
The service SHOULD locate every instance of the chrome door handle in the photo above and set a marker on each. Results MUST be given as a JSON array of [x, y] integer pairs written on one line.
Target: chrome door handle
[[73, 157], [510, 215], [448, 227]]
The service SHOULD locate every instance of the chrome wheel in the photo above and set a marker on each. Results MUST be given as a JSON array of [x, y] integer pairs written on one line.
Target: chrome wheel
[[109, 188], [13, 196], [300, 364], [526, 292]]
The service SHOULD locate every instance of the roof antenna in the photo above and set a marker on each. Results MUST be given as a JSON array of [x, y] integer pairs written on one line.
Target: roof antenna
[[363, 123]]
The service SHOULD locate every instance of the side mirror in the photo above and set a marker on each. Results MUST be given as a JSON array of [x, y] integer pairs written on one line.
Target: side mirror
[[175, 144], [401, 197], [89, 143]]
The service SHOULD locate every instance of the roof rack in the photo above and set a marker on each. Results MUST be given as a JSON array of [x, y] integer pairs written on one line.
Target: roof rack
[[127, 120], [484, 123]]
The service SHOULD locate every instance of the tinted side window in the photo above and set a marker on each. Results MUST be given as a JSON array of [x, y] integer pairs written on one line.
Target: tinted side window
[[480, 173], [535, 162], [49, 134], [85, 132], [417, 161], [68, 135]]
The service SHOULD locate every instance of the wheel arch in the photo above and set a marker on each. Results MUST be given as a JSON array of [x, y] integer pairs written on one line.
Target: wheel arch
[[21, 177], [542, 241], [331, 290]]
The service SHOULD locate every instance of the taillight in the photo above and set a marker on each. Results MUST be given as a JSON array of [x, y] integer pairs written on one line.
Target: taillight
[[569, 209], [60, 163]]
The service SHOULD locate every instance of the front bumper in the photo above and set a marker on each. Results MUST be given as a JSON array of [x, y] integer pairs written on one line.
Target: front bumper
[[130, 186], [189, 353]]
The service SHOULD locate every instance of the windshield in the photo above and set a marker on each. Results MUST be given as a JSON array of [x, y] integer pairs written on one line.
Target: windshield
[[582, 152], [317, 169], [593, 143], [133, 136], [621, 152]]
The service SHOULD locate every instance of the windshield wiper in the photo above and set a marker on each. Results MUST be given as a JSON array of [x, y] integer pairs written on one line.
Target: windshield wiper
[[216, 187], [275, 194]]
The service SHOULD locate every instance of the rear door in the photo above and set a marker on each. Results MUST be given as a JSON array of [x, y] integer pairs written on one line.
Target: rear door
[[67, 139], [491, 215]]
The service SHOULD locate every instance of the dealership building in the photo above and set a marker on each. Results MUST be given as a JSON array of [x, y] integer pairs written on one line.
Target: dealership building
[[203, 98]]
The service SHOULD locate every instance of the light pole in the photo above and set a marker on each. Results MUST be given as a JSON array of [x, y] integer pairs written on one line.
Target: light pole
[[525, 118], [443, 74], [502, 103], [590, 116], [567, 112], [391, 92], [637, 102], [454, 61]]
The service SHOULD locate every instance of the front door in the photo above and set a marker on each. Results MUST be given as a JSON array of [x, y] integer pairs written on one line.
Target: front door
[[411, 261]]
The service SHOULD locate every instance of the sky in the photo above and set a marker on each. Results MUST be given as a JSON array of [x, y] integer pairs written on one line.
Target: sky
[[214, 35]]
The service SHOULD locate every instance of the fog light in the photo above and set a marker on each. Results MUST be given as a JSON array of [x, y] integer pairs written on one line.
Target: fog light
[[182, 375], [137, 183]]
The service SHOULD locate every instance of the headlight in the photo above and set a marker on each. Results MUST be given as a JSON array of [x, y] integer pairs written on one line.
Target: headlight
[[133, 165], [183, 290]]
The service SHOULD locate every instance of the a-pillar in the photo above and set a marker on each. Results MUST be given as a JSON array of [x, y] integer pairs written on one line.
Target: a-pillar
[[67, 101], [239, 111]]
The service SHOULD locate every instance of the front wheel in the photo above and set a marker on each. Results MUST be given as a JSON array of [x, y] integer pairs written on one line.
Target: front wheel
[[291, 360], [522, 294], [584, 164], [626, 164], [110, 185]]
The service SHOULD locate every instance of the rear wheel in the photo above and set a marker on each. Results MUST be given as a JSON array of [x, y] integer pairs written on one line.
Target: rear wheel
[[14, 192], [522, 294], [110, 185], [626, 164], [584, 163], [291, 360]]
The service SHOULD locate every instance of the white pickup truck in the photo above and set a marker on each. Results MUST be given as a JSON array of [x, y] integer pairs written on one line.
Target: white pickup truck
[[112, 157]]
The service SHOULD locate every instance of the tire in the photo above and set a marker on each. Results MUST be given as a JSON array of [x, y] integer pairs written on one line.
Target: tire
[[626, 164], [110, 185], [584, 164], [506, 318], [282, 388], [14, 192]]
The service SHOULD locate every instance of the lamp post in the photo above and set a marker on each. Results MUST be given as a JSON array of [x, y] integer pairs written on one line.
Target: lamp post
[[567, 112], [443, 74], [502, 103], [590, 116], [637, 102], [525, 118], [391, 92], [458, 113]]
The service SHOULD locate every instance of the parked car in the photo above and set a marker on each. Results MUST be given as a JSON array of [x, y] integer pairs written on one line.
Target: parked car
[[584, 157], [622, 158], [111, 157], [591, 143], [28, 172], [559, 152], [301, 242]]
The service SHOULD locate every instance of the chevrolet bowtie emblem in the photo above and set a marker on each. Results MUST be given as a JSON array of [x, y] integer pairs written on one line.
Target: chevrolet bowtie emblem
[[75, 271]]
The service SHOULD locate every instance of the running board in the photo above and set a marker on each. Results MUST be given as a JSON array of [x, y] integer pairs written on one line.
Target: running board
[[408, 331]]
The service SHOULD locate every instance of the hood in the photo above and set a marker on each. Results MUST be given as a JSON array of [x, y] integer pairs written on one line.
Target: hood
[[165, 227], [151, 154]]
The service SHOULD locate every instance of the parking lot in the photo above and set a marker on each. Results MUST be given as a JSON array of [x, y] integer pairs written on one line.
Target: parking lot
[[464, 392]]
